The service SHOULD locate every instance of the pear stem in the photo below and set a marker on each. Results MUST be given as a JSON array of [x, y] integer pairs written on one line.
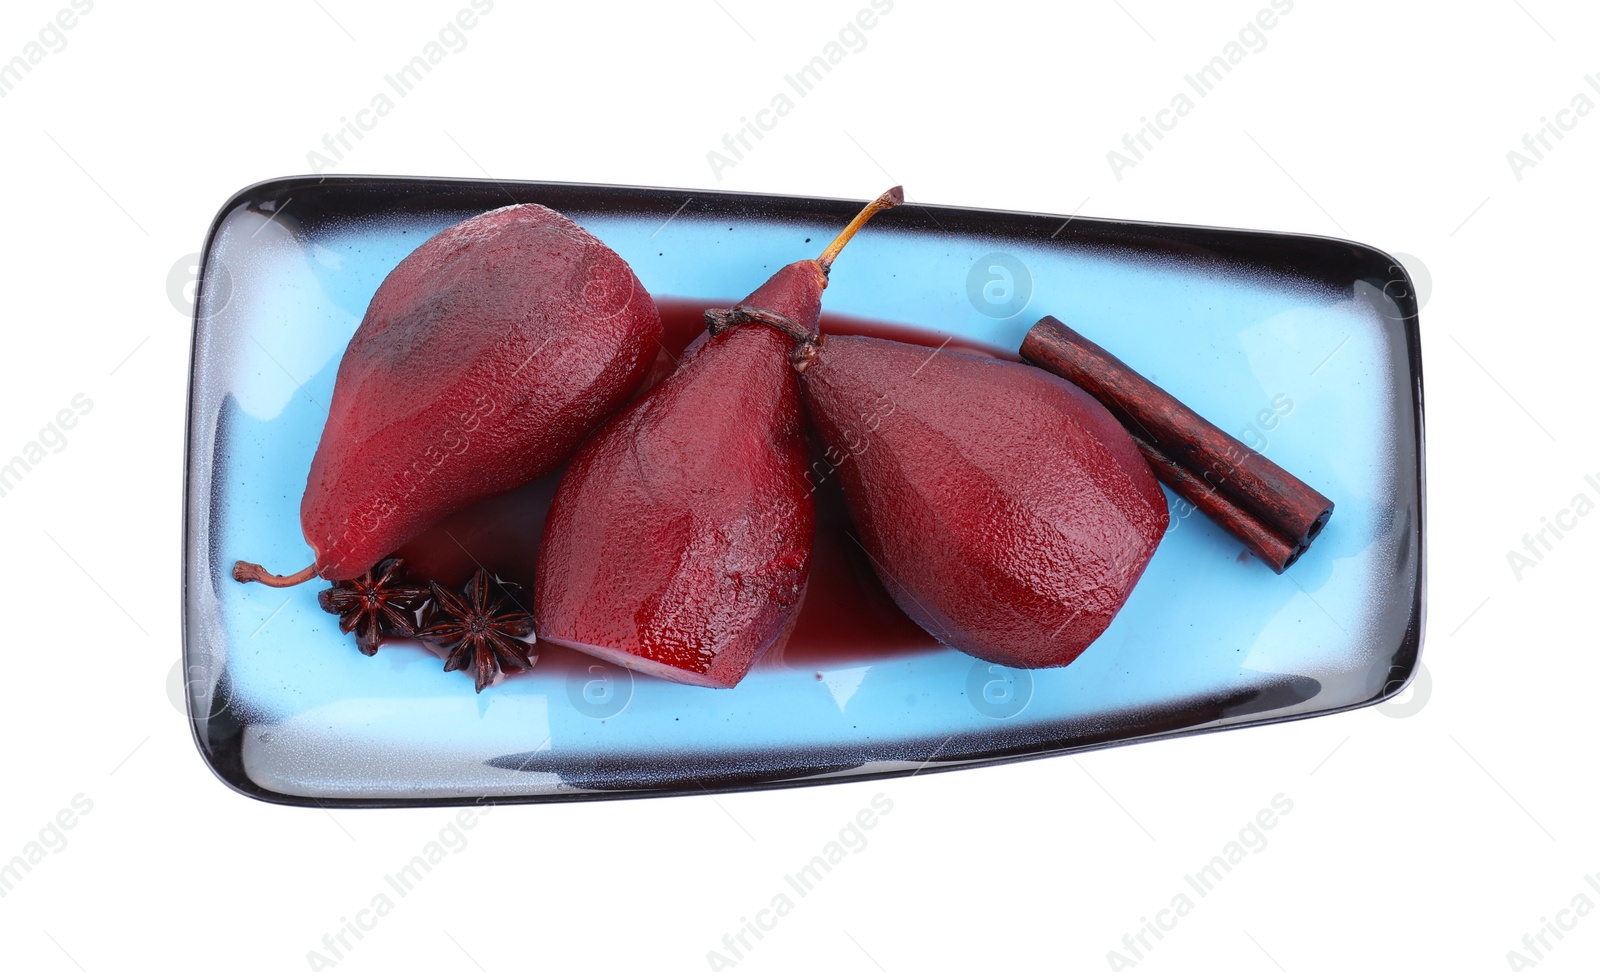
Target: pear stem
[[888, 200], [245, 573]]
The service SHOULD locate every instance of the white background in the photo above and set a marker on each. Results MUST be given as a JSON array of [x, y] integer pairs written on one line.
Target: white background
[[1432, 832]]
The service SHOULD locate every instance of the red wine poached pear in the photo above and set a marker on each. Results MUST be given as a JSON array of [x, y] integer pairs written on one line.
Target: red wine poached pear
[[1004, 509], [483, 360], [679, 541]]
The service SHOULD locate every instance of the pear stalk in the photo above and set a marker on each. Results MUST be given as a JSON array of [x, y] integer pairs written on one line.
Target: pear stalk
[[888, 200], [247, 573]]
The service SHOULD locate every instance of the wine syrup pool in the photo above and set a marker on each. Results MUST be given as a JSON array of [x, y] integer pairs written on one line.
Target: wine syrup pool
[[285, 708]]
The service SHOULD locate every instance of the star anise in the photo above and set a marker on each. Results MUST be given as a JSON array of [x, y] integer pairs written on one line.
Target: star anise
[[377, 605], [482, 626]]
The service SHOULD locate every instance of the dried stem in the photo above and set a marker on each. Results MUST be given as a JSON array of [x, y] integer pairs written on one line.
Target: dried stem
[[888, 200], [247, 573]]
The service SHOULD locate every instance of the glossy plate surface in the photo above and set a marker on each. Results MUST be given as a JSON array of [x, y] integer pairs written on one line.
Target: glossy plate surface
[[1304, 347]]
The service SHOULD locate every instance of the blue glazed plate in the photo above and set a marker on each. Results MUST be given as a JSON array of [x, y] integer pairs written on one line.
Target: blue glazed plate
[[1304, 347]]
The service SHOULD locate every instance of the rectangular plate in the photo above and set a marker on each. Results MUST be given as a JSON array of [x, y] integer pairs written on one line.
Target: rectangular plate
[[1305, 347]]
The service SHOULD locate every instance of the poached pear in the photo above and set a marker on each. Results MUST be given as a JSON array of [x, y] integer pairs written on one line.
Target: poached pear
[[679, 541], [1004, 509], [484, 358]]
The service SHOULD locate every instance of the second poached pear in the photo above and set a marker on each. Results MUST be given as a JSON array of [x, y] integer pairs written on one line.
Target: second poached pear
[[679, 541]]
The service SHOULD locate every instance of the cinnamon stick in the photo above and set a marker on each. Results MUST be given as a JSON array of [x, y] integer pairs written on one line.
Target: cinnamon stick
[[1269, 547], [1271, 511]]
